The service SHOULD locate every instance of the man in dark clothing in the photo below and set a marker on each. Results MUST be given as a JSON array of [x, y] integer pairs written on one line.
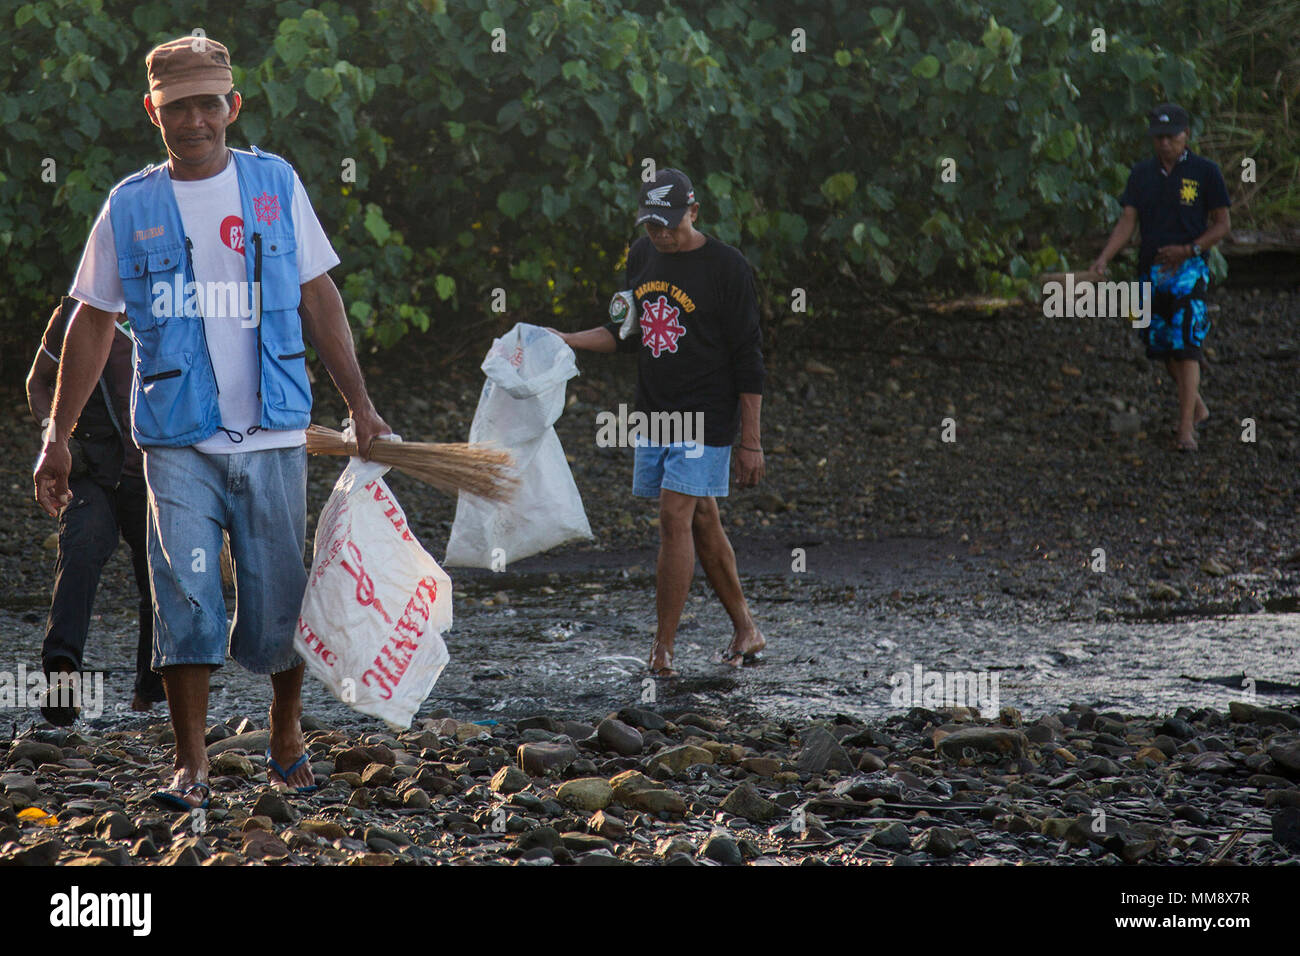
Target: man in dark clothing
[[699, 359], [108, 498], [1180, 202]]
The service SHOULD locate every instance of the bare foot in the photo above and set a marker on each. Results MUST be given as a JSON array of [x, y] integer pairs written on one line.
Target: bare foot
[[661, 660], [189, 788], [744, 645], [1202, 413], [140, 704], [287, 746]]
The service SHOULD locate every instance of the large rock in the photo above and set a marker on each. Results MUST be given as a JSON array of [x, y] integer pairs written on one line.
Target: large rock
[[679, 758], [822, 752], [1211, 762], [1002, 741], [895, 836], [264, 845], [255, 741], [937, 841], [617, 736], [233, 765], [325, 829], [634, 789], [273, 805], [1286, 754], [357, 759], [509, 780], [1244, 713], [645, 719], [544, 759], [722, 849], [547, 837], [1286, 828], [585, 793], [1101, 766], [35, 751], [747, 802]]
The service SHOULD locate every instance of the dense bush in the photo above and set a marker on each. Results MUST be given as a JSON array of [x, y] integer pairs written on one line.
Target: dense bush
[[478, 169]]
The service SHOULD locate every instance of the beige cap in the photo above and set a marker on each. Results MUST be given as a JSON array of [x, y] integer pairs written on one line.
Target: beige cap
[[188, 66]]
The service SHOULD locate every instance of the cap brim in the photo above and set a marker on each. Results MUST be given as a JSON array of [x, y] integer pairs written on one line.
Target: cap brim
[[662, 215], [179, 91]]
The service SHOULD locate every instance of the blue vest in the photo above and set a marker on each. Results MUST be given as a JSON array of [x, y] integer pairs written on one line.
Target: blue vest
[[174, 390]]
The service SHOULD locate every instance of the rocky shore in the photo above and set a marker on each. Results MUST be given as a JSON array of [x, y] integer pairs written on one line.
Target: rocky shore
[[926, 787]]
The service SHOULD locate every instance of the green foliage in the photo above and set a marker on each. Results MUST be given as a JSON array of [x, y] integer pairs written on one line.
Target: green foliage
[[477, 169]]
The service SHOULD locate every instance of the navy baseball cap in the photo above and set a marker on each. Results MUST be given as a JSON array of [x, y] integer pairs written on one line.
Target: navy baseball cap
[[665, 198], [1167, 119]]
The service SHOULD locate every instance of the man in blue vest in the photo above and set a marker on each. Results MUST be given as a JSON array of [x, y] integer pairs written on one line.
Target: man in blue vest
[[222, 268]]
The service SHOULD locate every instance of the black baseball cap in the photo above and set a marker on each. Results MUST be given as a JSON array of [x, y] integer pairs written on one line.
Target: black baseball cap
[[665, 198], [1167, 119]]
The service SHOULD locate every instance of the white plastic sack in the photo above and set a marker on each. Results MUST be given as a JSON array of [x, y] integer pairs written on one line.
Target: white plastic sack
[[376, 604], [523, 396]]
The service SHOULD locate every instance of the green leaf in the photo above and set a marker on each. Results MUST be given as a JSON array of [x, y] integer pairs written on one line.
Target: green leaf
[[320, 83], [839, 187], [640, 86], [927, 68], [843, 57], [445, 286], [375, 224], [512, 203]]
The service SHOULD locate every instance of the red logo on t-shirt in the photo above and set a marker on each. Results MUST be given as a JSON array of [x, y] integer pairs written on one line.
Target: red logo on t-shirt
[[266, 208], [659, 327], [232, 233]]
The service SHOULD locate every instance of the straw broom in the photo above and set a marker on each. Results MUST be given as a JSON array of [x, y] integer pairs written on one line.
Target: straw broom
[[453, 467]]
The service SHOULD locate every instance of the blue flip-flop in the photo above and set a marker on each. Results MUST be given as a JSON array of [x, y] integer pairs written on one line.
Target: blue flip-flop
[[169, 800], [286, 774]]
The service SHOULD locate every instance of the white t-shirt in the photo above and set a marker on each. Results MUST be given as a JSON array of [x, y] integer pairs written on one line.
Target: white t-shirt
[[213, 219]]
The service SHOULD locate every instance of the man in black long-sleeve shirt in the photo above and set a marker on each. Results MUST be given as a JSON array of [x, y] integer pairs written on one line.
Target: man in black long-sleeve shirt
[[699, 355]]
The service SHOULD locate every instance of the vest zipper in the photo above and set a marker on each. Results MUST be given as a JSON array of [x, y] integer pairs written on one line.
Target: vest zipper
[[203, 328], [257, 284]]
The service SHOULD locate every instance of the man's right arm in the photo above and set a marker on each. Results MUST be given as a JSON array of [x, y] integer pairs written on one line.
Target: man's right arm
[[85, 350], [1119, 237]]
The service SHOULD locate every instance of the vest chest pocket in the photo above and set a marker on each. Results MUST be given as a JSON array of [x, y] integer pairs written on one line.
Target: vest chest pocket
[[280, 287], [153, 285]]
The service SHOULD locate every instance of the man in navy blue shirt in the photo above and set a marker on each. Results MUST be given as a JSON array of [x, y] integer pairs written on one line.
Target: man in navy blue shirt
[[1180, 202]]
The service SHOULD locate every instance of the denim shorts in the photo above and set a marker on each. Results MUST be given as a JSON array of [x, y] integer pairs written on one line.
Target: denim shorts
[[260, 499], [705, 475]]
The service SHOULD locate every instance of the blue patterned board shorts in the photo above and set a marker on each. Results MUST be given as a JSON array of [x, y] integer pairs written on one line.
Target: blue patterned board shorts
[[1178, 319]]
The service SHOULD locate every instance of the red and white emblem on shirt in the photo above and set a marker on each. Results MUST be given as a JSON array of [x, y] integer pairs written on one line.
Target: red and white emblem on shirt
[[232, 234], [660, 329], [266, 208]]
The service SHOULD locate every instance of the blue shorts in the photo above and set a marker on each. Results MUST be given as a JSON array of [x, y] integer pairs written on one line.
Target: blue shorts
[[1178, 317], [706, 475], [260, 499]]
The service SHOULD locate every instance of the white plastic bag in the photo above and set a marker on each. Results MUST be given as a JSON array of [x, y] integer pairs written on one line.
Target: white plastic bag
[[376, 603], [523, 396]]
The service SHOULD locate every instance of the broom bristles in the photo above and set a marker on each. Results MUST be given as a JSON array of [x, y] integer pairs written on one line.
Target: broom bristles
[[477, 468]]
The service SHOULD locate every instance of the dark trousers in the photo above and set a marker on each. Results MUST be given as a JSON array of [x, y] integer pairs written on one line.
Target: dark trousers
[[89, 528]]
